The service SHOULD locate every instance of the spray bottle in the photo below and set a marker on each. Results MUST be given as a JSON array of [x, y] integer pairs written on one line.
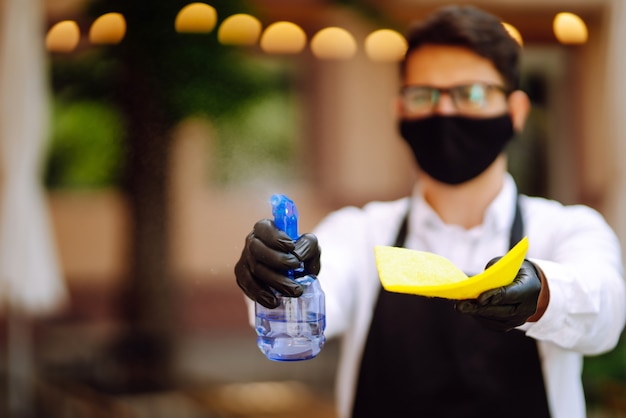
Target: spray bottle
[[295, 329]]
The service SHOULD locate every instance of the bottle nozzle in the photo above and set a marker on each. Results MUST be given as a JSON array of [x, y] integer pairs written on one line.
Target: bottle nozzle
[[285, 215]]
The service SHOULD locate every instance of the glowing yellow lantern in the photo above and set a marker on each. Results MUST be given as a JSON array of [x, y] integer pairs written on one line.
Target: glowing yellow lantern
[[333, 43], [196, 18], [570, 29], [239, 29], [385, 45], [283, 38], [109, 28], [63, 36]]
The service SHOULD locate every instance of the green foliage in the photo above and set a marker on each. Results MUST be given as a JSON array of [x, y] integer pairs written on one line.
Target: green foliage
[[604, 380], [257, 141], [246, 98], [85, 151], [186, 73], [611, 365], [85, 75]]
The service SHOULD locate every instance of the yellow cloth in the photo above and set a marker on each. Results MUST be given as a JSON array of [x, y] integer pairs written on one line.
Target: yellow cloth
[[423, 273]]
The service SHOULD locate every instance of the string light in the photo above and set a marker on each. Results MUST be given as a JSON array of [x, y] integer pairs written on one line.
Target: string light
[[196, 18], [385, 45], [283, 38], [63, 37], [239, 29], [109, 28], [333, 43], [570, 29]]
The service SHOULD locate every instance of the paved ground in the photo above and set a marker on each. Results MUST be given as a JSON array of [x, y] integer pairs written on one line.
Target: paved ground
[[222, 374]]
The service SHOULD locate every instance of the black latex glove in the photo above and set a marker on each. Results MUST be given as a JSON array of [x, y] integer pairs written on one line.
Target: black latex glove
[[507, 307], [267, 256]]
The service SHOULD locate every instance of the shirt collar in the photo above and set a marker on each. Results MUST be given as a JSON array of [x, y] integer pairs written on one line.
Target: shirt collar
[[498, 216]]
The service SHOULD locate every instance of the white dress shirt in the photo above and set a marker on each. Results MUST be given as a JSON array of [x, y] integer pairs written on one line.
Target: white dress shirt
[[573, 245]]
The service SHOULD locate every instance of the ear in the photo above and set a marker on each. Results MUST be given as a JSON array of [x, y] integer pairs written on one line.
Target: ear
[[398, 107], [519, 107]]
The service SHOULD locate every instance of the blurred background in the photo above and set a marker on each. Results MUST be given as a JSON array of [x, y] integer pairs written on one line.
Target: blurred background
[[141, 140]]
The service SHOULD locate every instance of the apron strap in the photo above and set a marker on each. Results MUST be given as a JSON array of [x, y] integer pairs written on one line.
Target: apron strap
[[517, 228]]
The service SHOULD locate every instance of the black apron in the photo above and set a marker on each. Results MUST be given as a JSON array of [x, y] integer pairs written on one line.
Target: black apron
[[423, 359]]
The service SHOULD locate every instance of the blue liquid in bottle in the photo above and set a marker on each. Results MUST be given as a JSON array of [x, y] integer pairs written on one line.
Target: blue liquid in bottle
[[294, 330]]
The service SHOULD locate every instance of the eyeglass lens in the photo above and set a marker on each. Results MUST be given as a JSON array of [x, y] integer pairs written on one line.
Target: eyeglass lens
[[470, 98]]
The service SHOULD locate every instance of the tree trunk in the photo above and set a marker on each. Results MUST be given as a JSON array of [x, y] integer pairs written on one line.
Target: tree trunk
[[141, 357]]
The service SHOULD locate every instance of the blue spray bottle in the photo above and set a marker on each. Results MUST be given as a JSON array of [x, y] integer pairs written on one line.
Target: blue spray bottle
[[295, 329]]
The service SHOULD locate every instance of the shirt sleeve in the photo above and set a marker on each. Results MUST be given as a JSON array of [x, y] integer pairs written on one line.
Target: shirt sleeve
[[581, 259], [339, 236]]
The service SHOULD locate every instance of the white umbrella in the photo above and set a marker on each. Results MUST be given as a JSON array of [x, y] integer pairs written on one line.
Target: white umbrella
[[29, 273], [30, 281]]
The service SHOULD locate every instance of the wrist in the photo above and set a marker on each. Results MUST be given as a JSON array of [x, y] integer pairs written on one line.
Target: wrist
[[544, 296]]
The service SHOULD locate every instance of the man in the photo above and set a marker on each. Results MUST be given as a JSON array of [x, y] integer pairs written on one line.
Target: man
[[515, 351]]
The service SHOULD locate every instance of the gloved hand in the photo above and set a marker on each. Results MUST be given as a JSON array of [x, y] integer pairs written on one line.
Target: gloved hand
[[507, 307], [267, 256]]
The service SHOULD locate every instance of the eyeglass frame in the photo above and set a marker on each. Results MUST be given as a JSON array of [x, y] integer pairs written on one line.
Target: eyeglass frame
[[437, 92]]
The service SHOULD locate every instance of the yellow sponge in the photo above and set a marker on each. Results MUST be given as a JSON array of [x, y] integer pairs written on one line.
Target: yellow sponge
[[427, 274]]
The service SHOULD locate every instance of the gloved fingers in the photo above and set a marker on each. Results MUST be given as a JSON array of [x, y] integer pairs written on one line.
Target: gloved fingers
[[308, 251], [278, 281], [513, 294], [506, 307], [506, 295], [487, 311], [258, 286], [258, 253], [525, 283], [492, 262], [492, 296], [264, 263], [254, 289], [306, 247], [265, 230]]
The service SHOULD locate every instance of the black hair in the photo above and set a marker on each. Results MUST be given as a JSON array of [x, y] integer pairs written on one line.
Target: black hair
[[472, 28]]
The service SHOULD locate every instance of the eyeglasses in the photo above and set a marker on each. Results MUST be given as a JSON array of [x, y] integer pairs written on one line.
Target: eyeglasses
[[470, 99]]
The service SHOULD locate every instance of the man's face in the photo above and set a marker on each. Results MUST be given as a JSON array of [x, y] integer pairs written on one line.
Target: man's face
[[451, 80], [456, 114]]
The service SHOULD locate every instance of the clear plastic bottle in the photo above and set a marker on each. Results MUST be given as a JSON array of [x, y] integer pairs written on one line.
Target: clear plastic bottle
[[294, 330]]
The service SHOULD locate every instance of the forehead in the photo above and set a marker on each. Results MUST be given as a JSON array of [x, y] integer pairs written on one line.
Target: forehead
[[443, 65]]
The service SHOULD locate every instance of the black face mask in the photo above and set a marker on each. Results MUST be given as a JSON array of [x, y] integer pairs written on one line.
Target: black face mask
[[455, 149]]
